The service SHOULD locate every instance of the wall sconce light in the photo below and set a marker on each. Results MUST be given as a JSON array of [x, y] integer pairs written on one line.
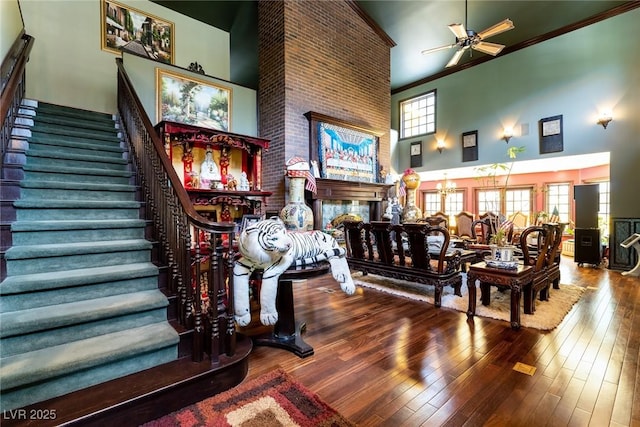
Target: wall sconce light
[[507, 134], [440, 145], [604, 119]]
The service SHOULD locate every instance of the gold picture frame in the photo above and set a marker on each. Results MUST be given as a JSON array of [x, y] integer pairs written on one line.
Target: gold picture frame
[[192, 101], [124, 28]]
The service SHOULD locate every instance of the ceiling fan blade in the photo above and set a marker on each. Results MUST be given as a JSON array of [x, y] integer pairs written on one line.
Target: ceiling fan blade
[[500, 27], [490, 48], [459, 31], [436, 49], [456, 57]]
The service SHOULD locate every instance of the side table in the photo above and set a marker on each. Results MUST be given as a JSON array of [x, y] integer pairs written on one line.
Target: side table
[[514, 279]]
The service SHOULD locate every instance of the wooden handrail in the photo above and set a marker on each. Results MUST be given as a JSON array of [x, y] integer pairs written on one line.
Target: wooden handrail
[[198, 265], [13, 77]]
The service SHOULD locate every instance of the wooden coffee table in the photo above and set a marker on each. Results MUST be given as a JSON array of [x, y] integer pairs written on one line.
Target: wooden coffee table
[[515, 279]]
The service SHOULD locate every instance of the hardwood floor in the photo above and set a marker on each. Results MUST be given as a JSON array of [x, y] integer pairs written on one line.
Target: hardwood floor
[[386, 361]]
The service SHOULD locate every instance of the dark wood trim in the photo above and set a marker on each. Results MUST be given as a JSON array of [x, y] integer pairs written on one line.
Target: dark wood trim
[[371, 23], [312, 116], [333, 189], [626, 7]]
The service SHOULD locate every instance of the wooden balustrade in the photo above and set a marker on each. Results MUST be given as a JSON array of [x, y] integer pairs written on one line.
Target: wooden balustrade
[[185, 237]]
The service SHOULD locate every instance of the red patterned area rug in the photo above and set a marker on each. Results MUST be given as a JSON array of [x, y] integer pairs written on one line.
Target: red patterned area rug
[[274, 399]]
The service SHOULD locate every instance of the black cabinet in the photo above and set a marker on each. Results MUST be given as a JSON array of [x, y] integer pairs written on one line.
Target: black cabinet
[[587, 200], [588, 248]]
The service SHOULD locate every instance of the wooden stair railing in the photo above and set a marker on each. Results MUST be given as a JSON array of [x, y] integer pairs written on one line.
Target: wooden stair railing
[[186, 238], [13, 75]]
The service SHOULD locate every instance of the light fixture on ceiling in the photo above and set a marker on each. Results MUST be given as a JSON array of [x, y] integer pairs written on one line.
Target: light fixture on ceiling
[[440, 145], [446, 187], [470, 40], [604, 119], [507, 134]]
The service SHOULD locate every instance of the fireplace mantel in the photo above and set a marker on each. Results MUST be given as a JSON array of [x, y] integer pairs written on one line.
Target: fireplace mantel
[[333, 189]]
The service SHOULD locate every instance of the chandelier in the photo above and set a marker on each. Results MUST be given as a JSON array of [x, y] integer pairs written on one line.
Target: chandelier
[[446, 187]]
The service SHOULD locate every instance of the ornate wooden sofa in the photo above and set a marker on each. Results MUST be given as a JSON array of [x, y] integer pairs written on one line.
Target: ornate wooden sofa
[[416, 252]]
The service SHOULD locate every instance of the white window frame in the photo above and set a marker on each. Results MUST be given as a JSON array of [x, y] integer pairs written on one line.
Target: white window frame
[[561, 201], [418, 115]]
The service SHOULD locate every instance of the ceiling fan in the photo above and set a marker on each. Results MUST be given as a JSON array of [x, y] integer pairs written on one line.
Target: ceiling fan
[[469, 39]]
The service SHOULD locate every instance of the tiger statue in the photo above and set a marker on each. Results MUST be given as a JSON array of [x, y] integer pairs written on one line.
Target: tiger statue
[[267, 245]]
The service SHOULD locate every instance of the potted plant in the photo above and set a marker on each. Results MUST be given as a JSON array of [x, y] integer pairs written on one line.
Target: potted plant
[[496, 177]]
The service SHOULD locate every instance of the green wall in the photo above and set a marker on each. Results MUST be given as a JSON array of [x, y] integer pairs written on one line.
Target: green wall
[[575, 75], [68, 66], [142, 73]]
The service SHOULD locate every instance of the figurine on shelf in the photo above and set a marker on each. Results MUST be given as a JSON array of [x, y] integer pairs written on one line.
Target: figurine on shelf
[[232, 184], [225, 215], [388, 179], [209, 172], [244, 182], [396, 211], [388, 213]]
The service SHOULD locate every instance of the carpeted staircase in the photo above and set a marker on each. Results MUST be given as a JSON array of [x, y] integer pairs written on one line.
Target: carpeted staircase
[[80, 303]]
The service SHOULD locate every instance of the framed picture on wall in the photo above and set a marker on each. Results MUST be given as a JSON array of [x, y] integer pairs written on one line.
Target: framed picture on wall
[[343, 151], [129, 29], [415, 154], [470, 146], [551, 135], [192, 101]]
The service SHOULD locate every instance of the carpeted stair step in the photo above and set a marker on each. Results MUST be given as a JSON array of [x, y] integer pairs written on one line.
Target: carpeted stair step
[[53, 126], [55, 318], [27, 291], [73, 123], [60, 257], [76, 137], [67, 210], [44, 108], [61, 369], [62, 158], [26, 343], [51, 232], [73, 174], [38, 141], [53, 190], [68, 132]]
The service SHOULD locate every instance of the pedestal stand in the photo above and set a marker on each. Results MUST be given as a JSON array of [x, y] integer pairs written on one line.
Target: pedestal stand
[[633, 241], [287, 331]]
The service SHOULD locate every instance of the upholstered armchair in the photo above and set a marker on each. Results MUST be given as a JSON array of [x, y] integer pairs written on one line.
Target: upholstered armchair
[[464, 225], [437, 219]]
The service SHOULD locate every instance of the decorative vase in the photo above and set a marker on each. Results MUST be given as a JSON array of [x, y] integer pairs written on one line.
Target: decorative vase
[[502, 253], [412, 213], [296, 215]]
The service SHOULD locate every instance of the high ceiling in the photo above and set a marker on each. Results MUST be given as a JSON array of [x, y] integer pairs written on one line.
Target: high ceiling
[[413, 25]]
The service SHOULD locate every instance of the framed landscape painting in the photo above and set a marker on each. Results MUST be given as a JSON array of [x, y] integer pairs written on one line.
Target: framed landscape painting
[[124, 28], [192, 101]]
